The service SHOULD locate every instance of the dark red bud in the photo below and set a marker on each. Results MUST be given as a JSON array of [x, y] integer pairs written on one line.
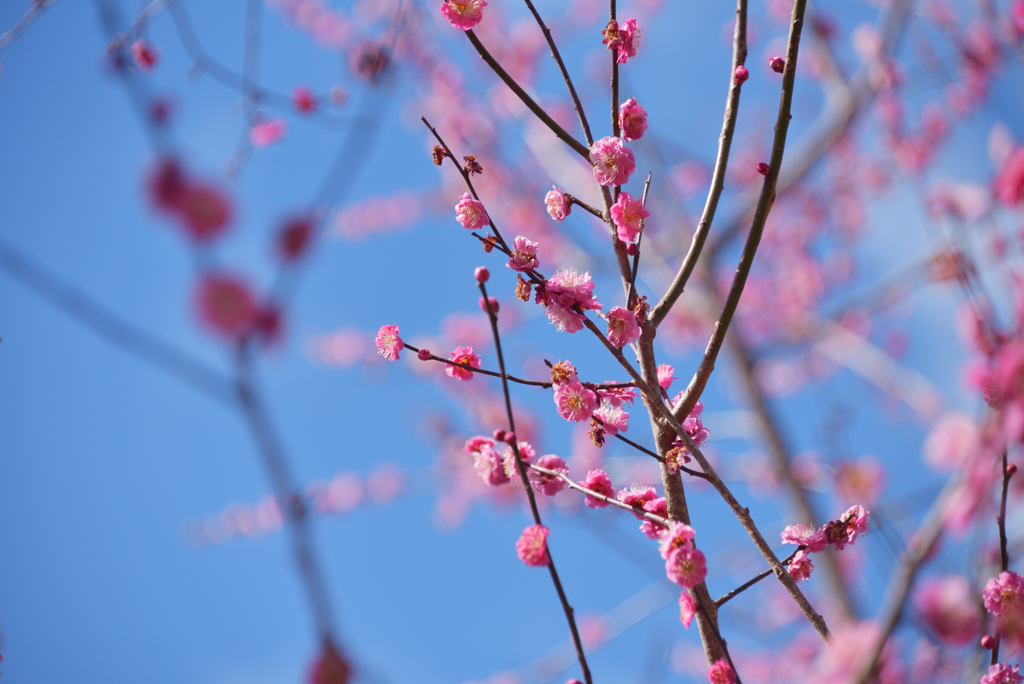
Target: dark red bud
[[423, 354], [632, 249], [763, 168], [510, 438], [741, 74], [499, 435], [987, 642], [1011, 469], [777, 64]]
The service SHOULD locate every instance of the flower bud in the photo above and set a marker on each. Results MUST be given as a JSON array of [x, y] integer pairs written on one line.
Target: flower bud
[[777, 64], [510, 438], [1011, 469], [632, 249], [499, 435], [423, 354], [987, 642], [481, 274], [741, 74], [763, 168]]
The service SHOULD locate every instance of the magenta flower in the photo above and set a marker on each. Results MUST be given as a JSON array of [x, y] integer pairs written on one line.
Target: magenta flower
[[614, 418], [687, 608], [508, 457], [463, 14], [627, 213], [462, 355], [613, 162], [267, 132], [303, 99], [617, 396], [677, 536], [567, 291], [470, 213], [623, 39], [803, 534], [1002, 674], [489, 466], [637, 495], [946, 604], [557, 203], [1009, 182], [144, 54], [801, 566], [226, 305], [651, 529], [632, 120], [549, 484], [532, 547], [524, 255], [599, 482], [665, 376], [574, 401], [686, 566], [389, 343], [622, 327], [1004, 595], [694, 427], [721, 673], [475, 444]]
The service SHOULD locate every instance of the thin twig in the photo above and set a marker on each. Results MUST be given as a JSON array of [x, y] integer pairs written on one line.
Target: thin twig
[[631, 295], [521, 465], [732, 108], [1004, 556], [635, 510], [721, 601], [31, 15], [564, 136]]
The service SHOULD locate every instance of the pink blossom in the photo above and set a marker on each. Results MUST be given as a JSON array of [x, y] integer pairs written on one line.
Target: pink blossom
[[953, 441], [850, 525], [632, 120], [617, 396], [624, 40], [226, 304], [677, 536], [1002, 674], [303, 99], [565, 292], [489, 466], [557, 203], [597, 481], [144, 54], [475, 444], [622, 327], [861, 480], [741, 75], [492, 302], [686, 566], [1004, 595], [524, 255], [651, 529], [801, 566], [389, 343], [463, 355], [721, 673], [574, 401], [1009, 182], [694, 427], [637, 495], [508, 457], [1017, 16], [463, 14], [665, 376], [532, 547], [470, 213], [613, 418], [802, 534], [267, 132], [627, 213], [946, 604], [205, 212], [687, 608], [549, 484], [613, 162]]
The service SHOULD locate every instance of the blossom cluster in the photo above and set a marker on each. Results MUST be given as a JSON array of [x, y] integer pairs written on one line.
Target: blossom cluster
[[837, 533]]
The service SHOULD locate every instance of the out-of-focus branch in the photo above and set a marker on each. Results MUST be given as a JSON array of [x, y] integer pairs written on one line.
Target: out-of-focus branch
[[732, 107], [10, 35], [1004, 556]]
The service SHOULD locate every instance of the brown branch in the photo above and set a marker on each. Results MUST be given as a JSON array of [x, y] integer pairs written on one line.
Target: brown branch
[[1004, 556], [521, 465], [631, 293], [721, 601], [732, 107], [636, 510], [564, 136]]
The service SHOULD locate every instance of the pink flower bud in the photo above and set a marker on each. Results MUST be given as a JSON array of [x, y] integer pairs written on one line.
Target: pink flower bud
[[490, 300], [632, 249], [741, 74], [499, 435], [763, 168], [481, 274], [987, 642], [510, 438], [1011, 469], [777, 64], [423, 354]]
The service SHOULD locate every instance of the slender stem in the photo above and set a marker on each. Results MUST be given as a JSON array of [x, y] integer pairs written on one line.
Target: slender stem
[[764, 205], [12, 34], [732, 108], [596, 212], [564, 136], [631, 295], [521, 465], [565, 75], [746, 585], [1004, 556], [636, 510], [615, 82]]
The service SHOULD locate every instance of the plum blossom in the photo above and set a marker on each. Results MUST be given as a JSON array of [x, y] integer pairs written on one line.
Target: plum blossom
[[574, 401], [470, 213], [564, 293], [622, 327], [632, 120], [613, 419], [557, 203], [946, 604], [549, 484], [463, 355], [267, 132], [721, 673], [144, 54], [617, 396], [613, 162], [650, 528], [801, 566], [532, 547], [1002, 674], [694, 427], [686, 566], [1009, 182], [508, 457], [463, 14], [637, 495], [597, 481], [687, 608], [665, 376], [490, 466], [1004, 595], [624, 40], [389, 343], [303, 99], [524, 255], [226, 304], [803, 534], [475, 444], [850, 525], [627, 213]]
